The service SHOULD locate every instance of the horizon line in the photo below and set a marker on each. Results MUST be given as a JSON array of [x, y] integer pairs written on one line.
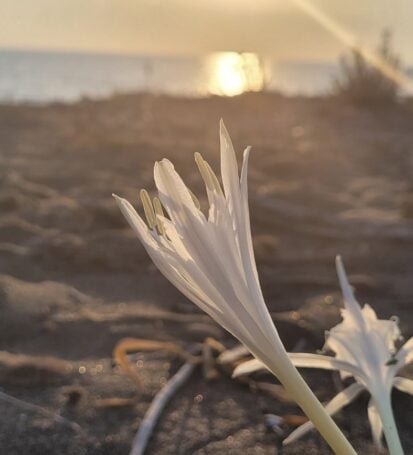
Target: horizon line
[[120, 53]]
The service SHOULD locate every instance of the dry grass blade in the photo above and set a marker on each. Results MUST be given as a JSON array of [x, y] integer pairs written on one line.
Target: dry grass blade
[[294, 420], [215, 345], [274, 390], [158, 404], [114, 402], [208, 363], [128, 345], [233, 355], [43, 411]]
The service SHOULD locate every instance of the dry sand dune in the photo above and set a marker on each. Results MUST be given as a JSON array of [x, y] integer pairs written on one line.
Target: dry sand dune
[[325, 179]]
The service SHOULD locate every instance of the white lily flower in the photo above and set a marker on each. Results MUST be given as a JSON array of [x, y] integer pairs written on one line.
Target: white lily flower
[[365, 349], [211, 261]]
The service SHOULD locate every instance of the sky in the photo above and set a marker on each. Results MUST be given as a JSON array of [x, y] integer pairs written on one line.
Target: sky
[[279, 28]]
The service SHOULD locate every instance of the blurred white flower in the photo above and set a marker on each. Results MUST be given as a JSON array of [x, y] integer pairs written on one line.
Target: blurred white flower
[[365, 349], [211, 261]]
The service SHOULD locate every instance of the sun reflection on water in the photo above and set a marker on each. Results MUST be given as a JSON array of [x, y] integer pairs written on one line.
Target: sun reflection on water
[[233, 73]]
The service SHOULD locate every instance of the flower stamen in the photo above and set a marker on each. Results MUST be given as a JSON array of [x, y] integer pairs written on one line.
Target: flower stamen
[[159, 213], [148, 209]]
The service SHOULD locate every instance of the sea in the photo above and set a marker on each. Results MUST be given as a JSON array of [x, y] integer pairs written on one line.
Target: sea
[[43, 76]]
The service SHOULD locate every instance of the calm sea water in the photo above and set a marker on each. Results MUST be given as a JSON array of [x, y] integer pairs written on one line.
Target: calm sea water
[[49, 76]]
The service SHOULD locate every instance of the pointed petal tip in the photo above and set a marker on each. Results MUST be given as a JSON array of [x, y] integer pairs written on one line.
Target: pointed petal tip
[[247, 151], [119, 200], [403, 384], [341, 272], [157, 167], [164, 162], [339, 264], [248, 367], [223, 130]]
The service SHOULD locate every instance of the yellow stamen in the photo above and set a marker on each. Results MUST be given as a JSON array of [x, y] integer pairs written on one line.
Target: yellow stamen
[[148, 209], [158, 211]]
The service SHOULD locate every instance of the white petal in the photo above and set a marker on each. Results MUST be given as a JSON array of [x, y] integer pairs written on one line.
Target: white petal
[[232, 355], [238, 207], [403, 384], [173, 193], [248, 367], [324, 362], [215, 263], [193, 238], [135, 221], [162, 258], [303, 360], [351, 347], [384, 332], [405, 354], [350, 301], [375, 423], [343, 398], [216, 198], [234, 315], [246, 247], [174, 238], [229, 170], [248, 252], [189, 281], [368, 313]]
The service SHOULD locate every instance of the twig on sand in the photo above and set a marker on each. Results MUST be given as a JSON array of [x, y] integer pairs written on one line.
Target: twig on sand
[[45, 412], [126, 345], [158, 404]]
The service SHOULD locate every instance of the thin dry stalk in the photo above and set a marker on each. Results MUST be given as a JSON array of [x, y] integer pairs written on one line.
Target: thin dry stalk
[[45, 412], [157, 406], [127, 345]]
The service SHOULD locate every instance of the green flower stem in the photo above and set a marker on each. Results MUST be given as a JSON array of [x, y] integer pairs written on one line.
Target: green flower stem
[[305, 398], [389, 425]]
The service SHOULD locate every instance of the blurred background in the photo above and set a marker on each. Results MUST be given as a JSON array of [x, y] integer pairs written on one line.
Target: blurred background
[[72, 49], [91, 94]]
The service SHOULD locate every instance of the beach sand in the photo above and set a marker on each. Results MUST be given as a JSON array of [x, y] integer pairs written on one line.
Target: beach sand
[[324, 179]]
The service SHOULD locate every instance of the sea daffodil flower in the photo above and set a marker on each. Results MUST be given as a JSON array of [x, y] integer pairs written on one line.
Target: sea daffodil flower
[[210, 259], [365, 348]]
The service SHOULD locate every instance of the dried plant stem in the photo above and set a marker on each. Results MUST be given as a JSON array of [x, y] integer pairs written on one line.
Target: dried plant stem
[[157, 406], [45, 412], [127, 345]]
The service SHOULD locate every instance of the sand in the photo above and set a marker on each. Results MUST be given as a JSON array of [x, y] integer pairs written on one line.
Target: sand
[[324, 179]]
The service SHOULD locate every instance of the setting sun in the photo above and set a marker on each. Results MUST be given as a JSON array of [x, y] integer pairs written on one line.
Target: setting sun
[[235, 73]]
